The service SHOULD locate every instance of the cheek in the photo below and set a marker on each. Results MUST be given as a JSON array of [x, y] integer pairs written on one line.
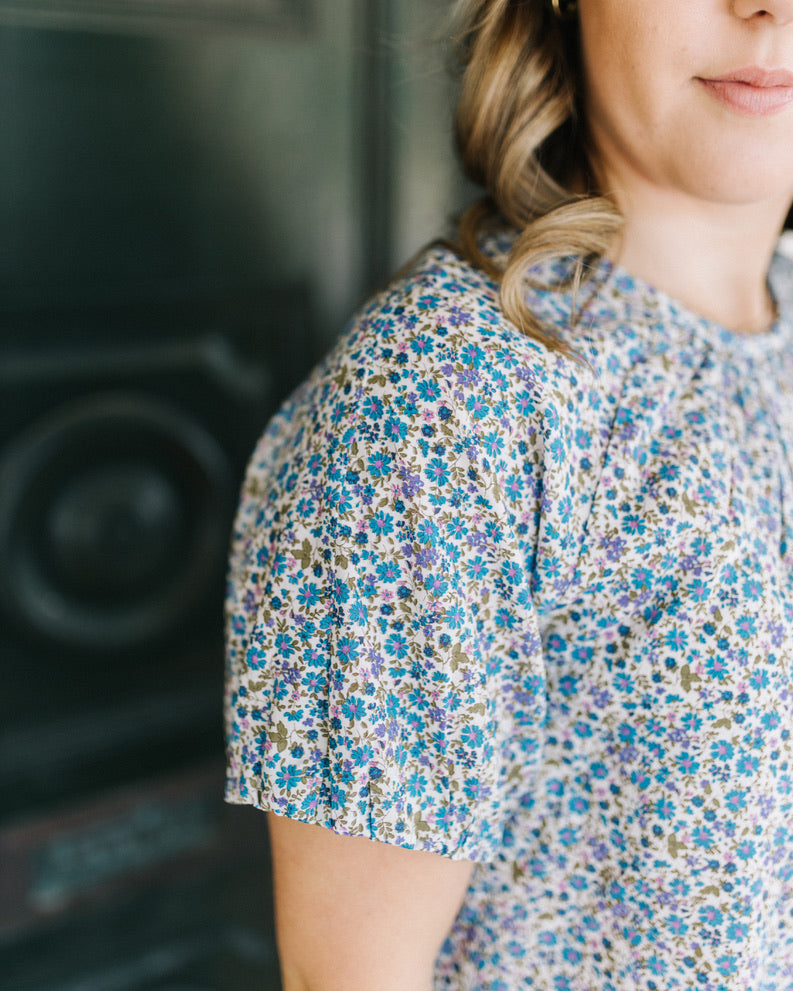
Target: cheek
[[634, 54], [625, 117], [623, 80]]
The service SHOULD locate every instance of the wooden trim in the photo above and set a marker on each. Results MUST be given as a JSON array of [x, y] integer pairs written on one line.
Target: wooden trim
[[270, 16]]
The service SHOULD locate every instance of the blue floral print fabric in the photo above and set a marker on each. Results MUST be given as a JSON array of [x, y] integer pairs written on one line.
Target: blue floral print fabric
[[492, 603]]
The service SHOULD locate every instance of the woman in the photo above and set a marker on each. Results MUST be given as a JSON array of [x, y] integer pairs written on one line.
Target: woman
[[511, 624]]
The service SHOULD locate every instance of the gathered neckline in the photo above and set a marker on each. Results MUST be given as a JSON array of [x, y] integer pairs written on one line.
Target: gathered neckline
[[679, 315], [663, 311]]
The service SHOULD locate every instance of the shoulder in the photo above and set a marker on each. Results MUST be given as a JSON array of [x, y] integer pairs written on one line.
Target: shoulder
[[438, 332], [438, 308], [430, 373]]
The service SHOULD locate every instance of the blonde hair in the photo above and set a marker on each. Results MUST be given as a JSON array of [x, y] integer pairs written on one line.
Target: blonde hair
[[520, 136]]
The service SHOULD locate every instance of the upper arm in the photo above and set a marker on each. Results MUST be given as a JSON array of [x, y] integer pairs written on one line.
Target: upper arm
[[352, 913]]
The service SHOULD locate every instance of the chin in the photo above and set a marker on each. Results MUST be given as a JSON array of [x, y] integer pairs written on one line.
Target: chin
[[741, 176], [750, 186], [748, 195]]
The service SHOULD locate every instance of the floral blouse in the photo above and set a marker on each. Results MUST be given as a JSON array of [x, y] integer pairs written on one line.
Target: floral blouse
[[493, 603]]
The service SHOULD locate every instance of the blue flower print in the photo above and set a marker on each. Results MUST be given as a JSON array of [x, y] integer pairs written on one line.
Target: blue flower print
[[505, 607]]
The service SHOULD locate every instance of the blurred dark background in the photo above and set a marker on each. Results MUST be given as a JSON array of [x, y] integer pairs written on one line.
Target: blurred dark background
[[194, 195]]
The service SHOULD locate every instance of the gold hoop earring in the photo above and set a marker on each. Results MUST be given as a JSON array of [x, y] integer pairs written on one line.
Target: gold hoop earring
[[564, 9]]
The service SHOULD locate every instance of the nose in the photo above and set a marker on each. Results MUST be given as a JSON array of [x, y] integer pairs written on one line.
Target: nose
[[780, 11]]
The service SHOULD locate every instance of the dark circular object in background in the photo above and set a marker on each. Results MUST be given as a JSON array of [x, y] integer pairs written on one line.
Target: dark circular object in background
[[114, 512]]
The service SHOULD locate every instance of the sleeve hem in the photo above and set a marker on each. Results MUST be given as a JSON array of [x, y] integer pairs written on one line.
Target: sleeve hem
[[466, 846]]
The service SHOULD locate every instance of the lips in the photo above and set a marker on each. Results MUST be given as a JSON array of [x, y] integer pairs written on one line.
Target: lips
[[752, 91]]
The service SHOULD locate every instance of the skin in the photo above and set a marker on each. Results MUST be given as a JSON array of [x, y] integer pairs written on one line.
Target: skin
[[704, 192], [356, 915]]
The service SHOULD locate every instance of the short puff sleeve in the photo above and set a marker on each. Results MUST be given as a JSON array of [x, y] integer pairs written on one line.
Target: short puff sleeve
[[385, 670]]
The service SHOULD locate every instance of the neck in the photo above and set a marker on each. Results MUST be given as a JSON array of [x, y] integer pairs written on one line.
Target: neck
[[712, 257]]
